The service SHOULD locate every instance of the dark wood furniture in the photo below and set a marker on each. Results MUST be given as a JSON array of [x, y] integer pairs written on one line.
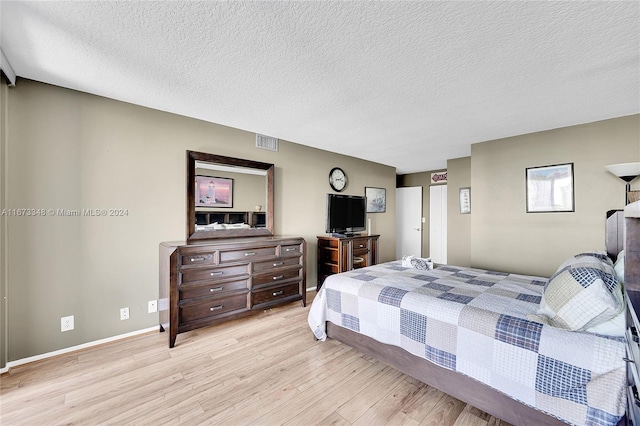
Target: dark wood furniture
[[254, 219], [223, 274], [341, 254], [213, 281]]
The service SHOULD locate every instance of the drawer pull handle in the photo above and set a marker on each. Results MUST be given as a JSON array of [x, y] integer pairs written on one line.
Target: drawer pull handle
[[361, 245], [215, 308], [214, 289], [213, 274], [250, 253], [198, 259], [278, 264], [278, 277], [291, 249], [278, 293]]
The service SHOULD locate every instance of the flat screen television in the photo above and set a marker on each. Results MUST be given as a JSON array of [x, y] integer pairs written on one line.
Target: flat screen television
[[346, 214]]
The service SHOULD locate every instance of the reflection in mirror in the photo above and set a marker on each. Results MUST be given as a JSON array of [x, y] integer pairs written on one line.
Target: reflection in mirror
[[228, 197]]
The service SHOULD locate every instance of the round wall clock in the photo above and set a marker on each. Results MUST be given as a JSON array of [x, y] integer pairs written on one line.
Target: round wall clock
[[337, 179]]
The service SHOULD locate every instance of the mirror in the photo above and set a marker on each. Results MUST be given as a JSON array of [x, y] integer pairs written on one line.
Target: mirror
[[228, 197]]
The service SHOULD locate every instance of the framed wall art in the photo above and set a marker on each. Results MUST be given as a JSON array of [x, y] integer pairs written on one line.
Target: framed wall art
[[550, 189], [465, 200], [376, 199], [214, 191]]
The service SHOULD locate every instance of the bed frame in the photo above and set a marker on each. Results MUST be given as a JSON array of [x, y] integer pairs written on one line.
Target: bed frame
[[468, 389]]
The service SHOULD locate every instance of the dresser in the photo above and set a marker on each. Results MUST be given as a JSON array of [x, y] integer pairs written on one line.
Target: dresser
[[208, 282], [341, 254]]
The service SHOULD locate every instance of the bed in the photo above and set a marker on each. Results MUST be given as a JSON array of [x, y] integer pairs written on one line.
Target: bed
[[487, 338]]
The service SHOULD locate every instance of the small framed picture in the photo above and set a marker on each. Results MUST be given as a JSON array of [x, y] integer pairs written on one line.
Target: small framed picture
[[376, 199], [465, 200], [214, 191], [550, 188]]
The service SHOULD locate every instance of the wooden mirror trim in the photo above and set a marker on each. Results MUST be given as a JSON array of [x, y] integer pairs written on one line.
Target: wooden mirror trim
[[192, 157]]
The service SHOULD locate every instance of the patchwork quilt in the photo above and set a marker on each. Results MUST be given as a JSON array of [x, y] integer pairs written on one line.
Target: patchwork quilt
[[475, 322]]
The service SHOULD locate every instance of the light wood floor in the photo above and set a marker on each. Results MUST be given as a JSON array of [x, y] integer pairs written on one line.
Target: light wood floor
[[262, 370]]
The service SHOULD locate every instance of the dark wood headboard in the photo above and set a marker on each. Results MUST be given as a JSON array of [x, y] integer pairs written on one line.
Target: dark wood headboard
[[614, 233]]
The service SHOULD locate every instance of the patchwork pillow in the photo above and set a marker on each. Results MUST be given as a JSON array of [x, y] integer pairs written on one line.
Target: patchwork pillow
[[583, 293], [615, 327]]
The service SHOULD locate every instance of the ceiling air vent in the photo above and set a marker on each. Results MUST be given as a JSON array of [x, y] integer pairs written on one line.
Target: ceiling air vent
[[266, 142]]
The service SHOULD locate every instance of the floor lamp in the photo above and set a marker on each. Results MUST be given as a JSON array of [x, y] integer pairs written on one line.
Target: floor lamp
[[627, 172]]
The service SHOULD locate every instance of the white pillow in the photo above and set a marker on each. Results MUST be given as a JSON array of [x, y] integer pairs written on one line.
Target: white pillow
[[615, 327], [619, 266]]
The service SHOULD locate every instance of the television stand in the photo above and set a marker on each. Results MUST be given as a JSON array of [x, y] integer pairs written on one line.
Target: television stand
[[340, 253]]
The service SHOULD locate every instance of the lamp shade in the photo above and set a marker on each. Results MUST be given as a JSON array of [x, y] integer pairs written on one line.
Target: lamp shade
[[625, 171]]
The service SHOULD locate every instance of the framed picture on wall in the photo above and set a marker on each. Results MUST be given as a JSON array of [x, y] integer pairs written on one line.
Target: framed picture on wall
[[550, 188], [465, 200], [376, 199], [214, 191]]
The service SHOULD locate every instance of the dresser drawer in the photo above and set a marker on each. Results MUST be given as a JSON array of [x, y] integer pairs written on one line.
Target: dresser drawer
[[214, 273], [276, 263], [197, 259], [275, 277], [276, 293], [192, 291], [360, 245], [212, 307], [291, 250], [248, 254]]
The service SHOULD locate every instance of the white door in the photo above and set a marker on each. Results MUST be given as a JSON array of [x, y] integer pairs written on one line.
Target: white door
[[438, 223], [409, 221]]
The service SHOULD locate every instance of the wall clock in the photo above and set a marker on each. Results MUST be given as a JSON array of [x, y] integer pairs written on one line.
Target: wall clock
[[337, 179]]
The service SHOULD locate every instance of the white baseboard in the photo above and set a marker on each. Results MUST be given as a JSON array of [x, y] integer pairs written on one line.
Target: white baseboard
[[40, 357]]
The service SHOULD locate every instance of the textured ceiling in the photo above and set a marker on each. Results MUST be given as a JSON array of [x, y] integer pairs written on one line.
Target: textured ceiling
[[407, 84]]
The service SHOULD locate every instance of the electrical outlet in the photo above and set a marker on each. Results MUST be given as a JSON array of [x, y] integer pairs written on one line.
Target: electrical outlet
[[124, 314], [66, 323], [153, 306]]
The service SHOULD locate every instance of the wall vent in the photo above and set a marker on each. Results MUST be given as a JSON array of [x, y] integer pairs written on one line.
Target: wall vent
[[266, 142]]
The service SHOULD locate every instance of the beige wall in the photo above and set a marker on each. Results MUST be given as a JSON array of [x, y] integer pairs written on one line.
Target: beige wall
[[504, 236], [70, 150], [3, 223], [458, 225]]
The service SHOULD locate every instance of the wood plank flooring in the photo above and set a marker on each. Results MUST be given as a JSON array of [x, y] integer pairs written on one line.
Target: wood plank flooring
[[261, 370]]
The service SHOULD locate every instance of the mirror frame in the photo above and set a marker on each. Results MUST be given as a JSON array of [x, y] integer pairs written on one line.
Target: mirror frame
[[192, 157]]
